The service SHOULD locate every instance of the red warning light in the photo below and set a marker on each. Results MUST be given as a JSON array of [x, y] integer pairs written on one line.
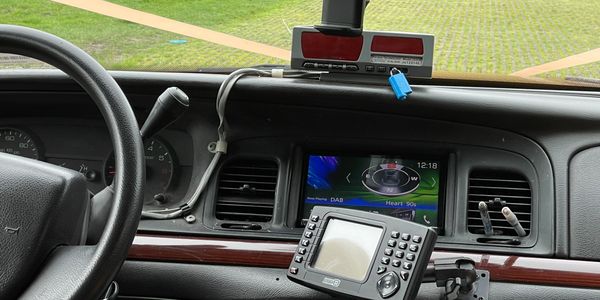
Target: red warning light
[[317, 45], [399, 45]]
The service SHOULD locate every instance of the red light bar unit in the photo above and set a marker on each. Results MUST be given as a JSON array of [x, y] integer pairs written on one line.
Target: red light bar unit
[[372, 53]]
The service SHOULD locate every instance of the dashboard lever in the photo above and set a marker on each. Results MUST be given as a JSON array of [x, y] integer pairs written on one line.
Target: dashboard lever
[[500, 241], [485, 219], [169, 106], [242, 226]]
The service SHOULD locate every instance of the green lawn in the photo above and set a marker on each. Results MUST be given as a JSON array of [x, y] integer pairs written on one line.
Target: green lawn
[[123, 45], [483, 36]]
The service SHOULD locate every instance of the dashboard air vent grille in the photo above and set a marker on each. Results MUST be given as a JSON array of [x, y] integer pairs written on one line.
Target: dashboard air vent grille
[[246, 190], [511, 187]]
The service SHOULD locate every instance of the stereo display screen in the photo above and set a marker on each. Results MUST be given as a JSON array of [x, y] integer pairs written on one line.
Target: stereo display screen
[[410, 189]]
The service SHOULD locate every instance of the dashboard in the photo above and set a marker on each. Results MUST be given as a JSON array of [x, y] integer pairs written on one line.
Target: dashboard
[[296, 143]]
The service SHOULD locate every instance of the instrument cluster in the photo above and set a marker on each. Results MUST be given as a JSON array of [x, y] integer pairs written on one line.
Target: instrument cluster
[[161, 163]]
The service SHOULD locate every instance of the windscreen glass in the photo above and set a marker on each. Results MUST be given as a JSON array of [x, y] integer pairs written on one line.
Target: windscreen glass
[[553, 42], [347, 248]]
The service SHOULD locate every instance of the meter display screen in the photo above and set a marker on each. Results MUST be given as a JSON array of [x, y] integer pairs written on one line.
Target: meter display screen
[[347, 249]]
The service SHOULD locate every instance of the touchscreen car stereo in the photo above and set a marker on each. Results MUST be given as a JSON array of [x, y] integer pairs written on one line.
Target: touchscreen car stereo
[[409, 189]]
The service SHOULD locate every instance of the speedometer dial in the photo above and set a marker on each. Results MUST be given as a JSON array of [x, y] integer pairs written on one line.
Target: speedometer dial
[[159, 169], [17, 142]]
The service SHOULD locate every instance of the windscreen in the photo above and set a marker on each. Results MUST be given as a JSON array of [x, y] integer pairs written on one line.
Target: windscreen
[[507, 40], [347, 249]]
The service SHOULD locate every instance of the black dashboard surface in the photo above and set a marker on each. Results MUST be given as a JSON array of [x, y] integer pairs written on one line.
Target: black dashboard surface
[[535, 131]]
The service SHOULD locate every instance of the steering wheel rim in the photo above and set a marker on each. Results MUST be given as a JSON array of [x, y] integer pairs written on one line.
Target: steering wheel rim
[[77, 272]]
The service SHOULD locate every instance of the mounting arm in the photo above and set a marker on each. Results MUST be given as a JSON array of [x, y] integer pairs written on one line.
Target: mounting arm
[[459, 278]]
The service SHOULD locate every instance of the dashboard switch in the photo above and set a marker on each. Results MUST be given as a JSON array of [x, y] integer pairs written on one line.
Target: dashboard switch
[[160, 198]]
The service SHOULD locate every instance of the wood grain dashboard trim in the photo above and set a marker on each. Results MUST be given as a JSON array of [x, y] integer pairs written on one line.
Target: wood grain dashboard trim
[[278, 254]]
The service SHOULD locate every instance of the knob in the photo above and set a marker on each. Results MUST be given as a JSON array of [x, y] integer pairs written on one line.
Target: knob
[[169, 106]]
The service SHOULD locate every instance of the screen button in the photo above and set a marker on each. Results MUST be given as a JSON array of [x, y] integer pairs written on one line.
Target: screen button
[[298, 258], [385, 260], [404, 275], [351, 67], [302, 251], [294, 270], [388, 284], [305, 243], [314, 218], [337, 67], [311, 226], [426, 219], [308, 234], [402, 245]]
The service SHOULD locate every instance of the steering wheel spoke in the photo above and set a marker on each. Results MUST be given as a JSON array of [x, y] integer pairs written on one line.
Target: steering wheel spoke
[[60, 271], [100, 209]]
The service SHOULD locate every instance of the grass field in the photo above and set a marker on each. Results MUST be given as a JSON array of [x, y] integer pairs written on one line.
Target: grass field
[[482, 36]]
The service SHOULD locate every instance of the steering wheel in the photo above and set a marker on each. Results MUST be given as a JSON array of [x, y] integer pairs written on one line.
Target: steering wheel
[[45, 209]]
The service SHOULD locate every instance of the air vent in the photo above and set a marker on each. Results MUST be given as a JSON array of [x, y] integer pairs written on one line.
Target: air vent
[[247, 191], [511, 187]]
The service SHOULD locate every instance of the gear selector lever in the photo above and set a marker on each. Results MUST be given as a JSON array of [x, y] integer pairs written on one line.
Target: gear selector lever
[[169, 106]]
